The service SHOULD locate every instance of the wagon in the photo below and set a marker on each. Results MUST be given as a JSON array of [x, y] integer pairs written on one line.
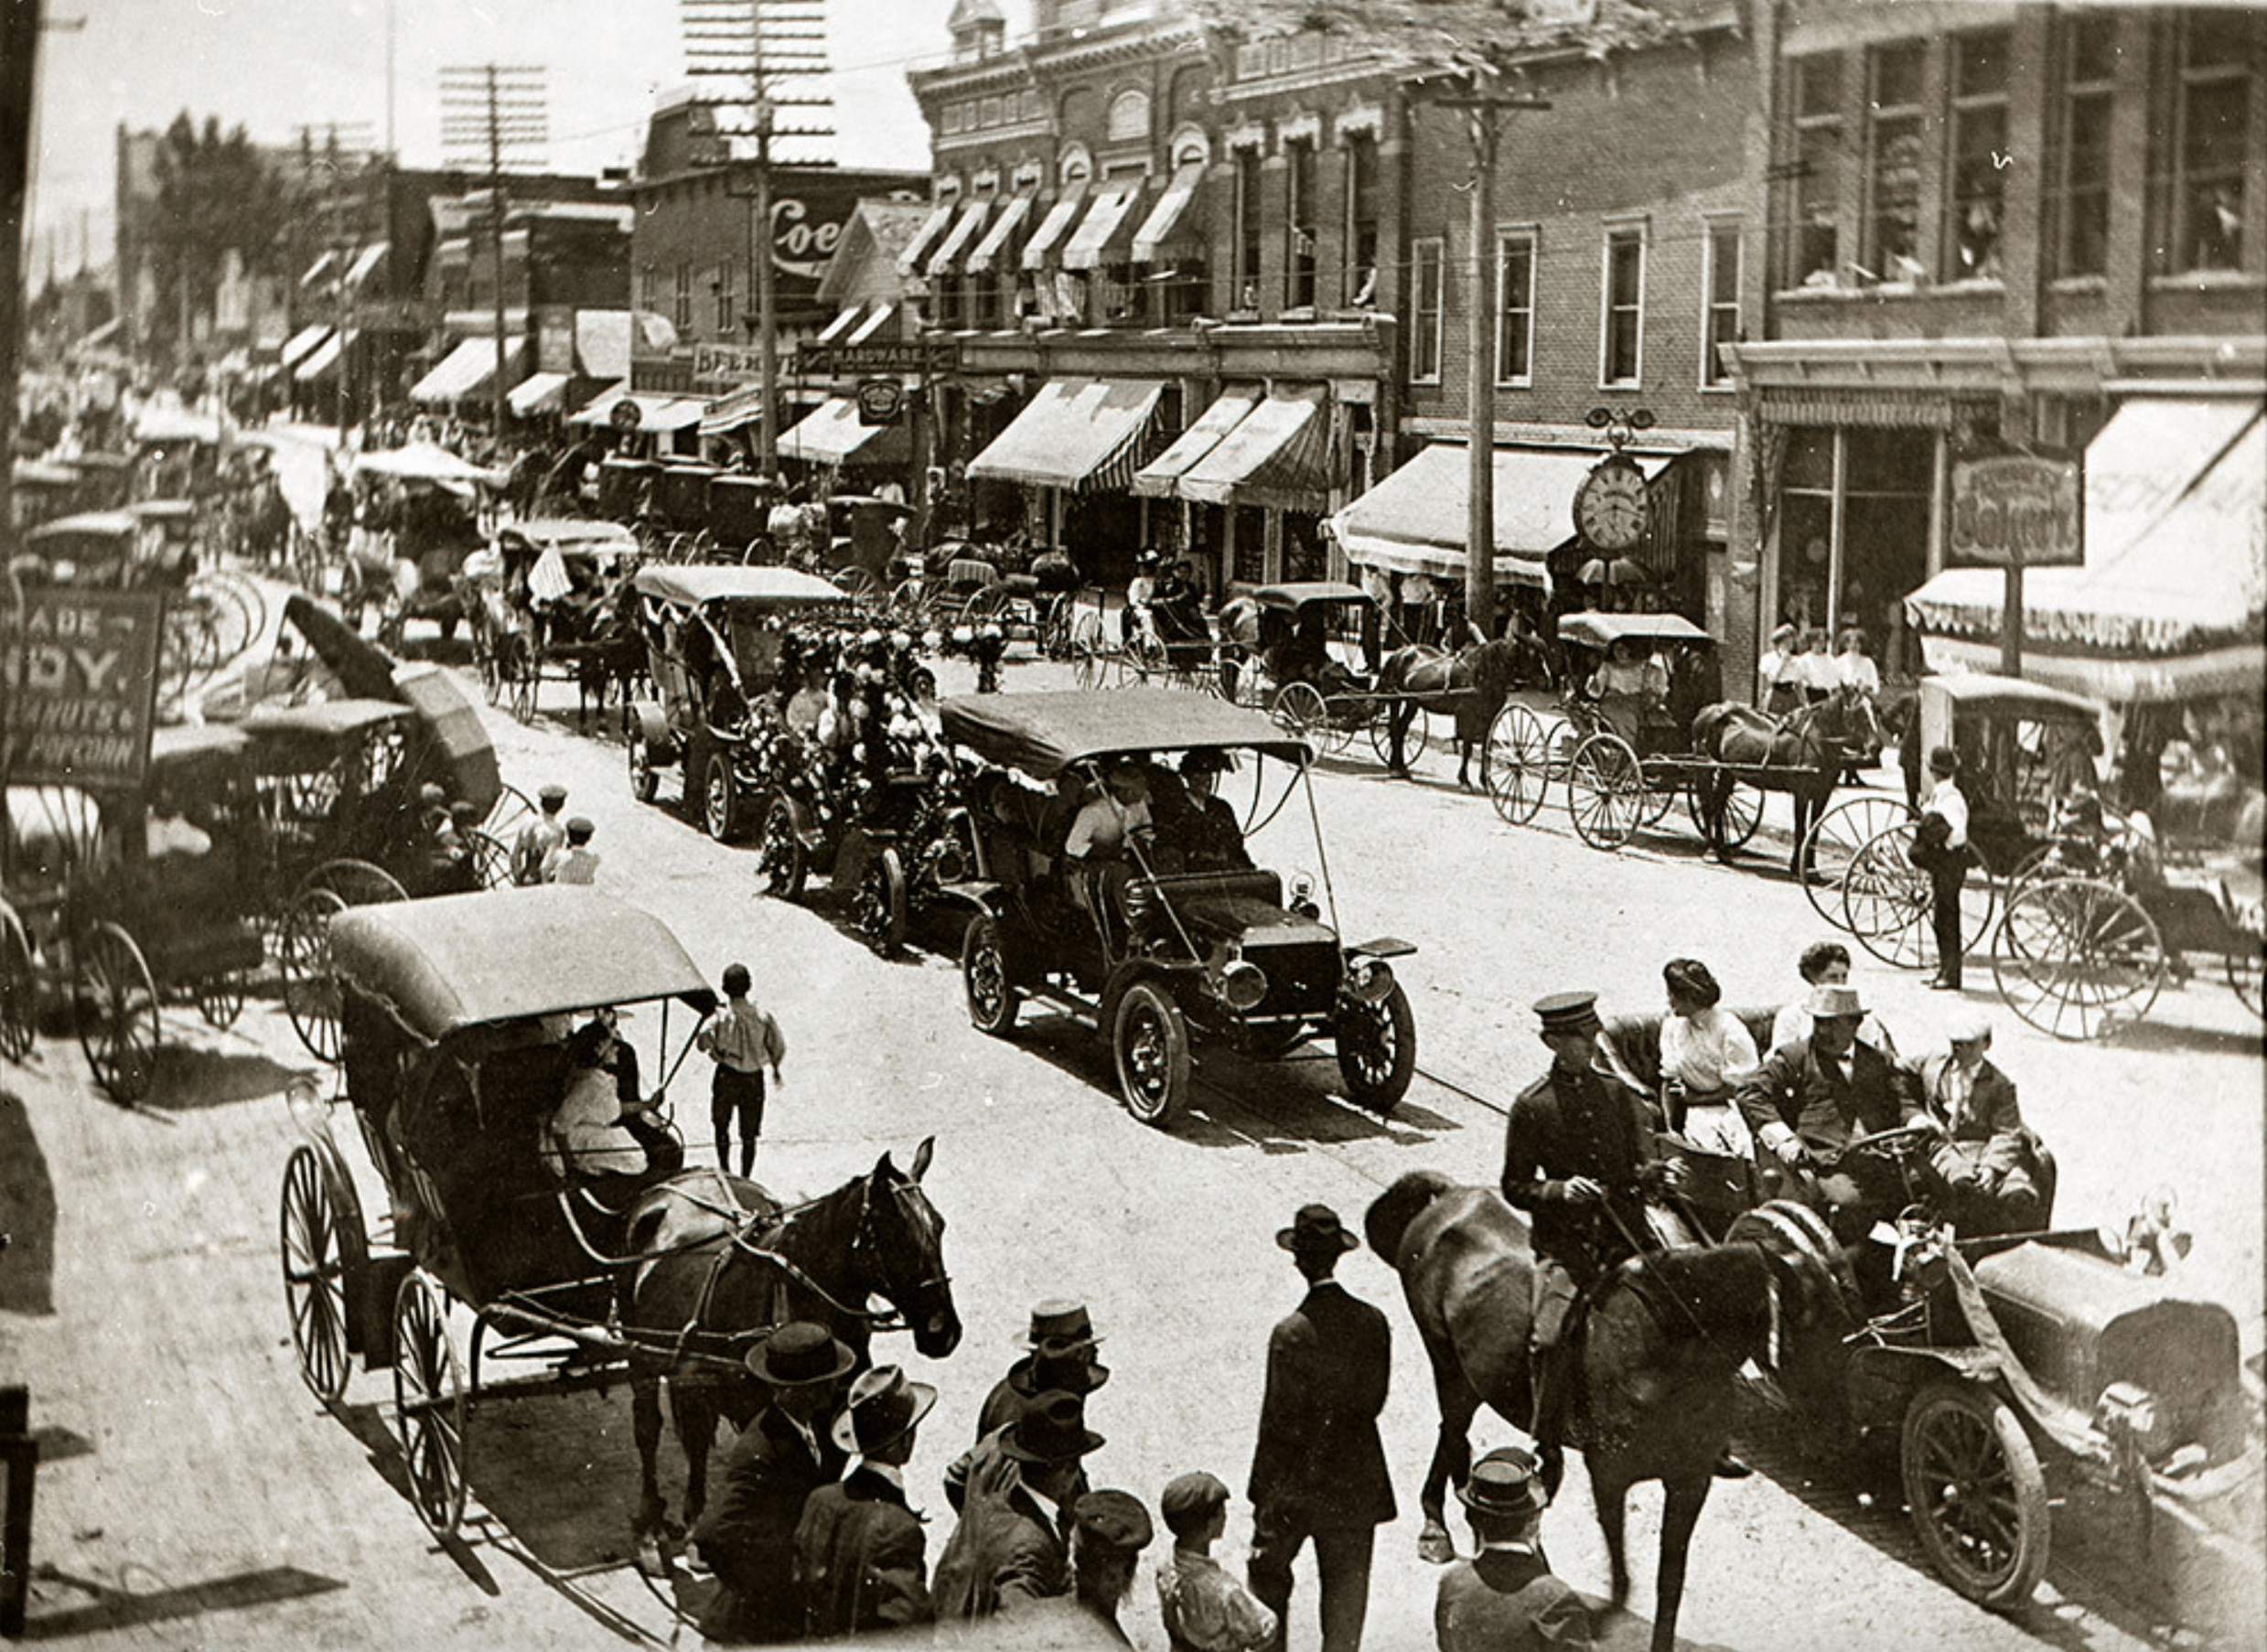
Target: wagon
[[1210, 950], [419, 506], [127, 900], [545, 603], [1293, 651]]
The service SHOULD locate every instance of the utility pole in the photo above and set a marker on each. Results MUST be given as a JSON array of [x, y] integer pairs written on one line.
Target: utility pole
[[19, 57], [496, 108], [344, 146], [1484, 115], [772, 55]]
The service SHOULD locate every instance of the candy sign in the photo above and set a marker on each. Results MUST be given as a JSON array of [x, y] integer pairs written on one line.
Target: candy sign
[[78, 672]]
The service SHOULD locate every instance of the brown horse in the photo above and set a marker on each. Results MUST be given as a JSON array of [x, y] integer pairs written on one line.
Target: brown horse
[[720, 1263], [1665, 1336], [1801, 755], [1473, 685]]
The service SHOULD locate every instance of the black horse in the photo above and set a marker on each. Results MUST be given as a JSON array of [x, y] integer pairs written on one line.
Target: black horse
[[1803, 755], [719, 1263], [1473, 685], [1665, 1337]]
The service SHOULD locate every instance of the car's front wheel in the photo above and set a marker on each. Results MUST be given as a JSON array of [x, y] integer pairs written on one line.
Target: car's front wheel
[[1378, 1049], [992, 997], [1150, 1038]]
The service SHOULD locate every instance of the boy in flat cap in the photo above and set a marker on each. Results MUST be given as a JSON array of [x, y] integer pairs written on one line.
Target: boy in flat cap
[[1109, 1531], [538, 837], [1318, 1469], [1504, 1598], [575, 861], [1205, 1610]]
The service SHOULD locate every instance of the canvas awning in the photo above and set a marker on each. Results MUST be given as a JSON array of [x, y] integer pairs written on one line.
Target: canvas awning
[[1100, 229], [963, 231], [537, 394], [2170, 599], [320, 271], [296, 347], [843, 319], [654, 413], [916, 254], [1011, 218], [1165, 216], [465, 370], [875, 319], [829, 435], [1278, 455], [366, 263], [1053, 227], [735, 411], [322, 359], [1159, 478], [1414, 521], [1080, 434]]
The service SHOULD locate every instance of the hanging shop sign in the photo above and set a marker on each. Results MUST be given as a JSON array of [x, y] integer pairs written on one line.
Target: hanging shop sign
[[880, 401], [79, 686], [2017, 512]]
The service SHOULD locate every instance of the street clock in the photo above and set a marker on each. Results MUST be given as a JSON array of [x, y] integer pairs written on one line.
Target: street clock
[[1613, 506]]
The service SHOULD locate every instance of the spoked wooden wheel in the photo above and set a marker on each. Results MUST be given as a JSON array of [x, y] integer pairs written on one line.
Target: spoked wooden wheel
[[1413, 738], [781, 864], [879, 908], [1606, 791], [1087, 662], [2078, 959], [1977, 1496], [1378, 1050], [523, 678], [1886, 900], [220, 999], [1743, 810], [2244, 971], [1516, 763], [314, 1246], [508, 814], [1834, 842], [1298, 710], [310, 986], [19, 989], [992, 996], [492, 859], [429, 1406], [117, 1013]]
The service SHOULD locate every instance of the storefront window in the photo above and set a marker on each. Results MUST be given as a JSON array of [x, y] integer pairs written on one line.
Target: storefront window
[[1876, 486]]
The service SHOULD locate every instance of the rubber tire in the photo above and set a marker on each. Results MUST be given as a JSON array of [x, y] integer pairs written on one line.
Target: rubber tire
[[1149, 1039], [881, 903], [985, 979], [310, 993], [782, 865], [1395, 1018], [645, 780], [722, 814], [1955, 1416]]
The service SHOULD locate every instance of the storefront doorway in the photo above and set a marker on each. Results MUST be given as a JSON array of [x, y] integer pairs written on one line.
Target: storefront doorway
[[1854, 529]]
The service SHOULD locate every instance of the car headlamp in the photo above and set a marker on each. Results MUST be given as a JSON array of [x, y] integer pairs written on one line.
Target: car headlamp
[[1244, 985], [1371, 980]]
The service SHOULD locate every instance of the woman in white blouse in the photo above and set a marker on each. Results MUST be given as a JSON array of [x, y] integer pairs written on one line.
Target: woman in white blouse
[[1705, 1053]]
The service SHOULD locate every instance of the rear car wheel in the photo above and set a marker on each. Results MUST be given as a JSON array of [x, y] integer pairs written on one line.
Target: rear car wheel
[[993, 998], [720, 797], [880, 906], [780, 864], [1149, 1037], [1378, 1050], [645, 781]]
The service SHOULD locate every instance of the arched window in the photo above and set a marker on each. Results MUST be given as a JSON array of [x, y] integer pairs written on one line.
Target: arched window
[[1129, 117]]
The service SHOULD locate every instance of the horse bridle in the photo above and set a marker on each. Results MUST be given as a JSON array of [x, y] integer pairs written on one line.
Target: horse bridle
[[863, 1240]]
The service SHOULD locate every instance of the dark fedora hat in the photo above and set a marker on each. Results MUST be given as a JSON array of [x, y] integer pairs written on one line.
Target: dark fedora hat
[[1316, 1227], [1051, 1430], [799, 1352], [1505, 1482], [883, 1403]]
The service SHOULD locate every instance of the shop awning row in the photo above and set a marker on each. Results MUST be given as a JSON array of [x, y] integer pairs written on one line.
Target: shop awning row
[[654, 413], [537, 394], [1160, 478], [1078, 434], [1053, 227], [958, 239], [1100, 230], [1165, 216], [1250, 448], [466, 371]]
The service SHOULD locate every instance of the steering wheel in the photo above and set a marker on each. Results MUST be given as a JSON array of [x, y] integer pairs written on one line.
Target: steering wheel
[[1894, 1143]]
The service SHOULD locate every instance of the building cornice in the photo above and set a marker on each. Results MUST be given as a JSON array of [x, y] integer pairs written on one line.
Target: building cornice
[[2003, 366]]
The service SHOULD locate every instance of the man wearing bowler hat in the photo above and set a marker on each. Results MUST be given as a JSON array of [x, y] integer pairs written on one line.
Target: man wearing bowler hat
[[1012, 1546], [1318, 1469], [859, 1552], [1059, 1355], [747, 1536], [1581, 1158], [1504, 1598]]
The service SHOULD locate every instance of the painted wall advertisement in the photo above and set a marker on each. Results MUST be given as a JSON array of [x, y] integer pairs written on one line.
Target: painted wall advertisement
[[79, 686]]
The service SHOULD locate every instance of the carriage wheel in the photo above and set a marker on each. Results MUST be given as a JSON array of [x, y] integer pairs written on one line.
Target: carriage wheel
[[1885, 901], [117, 1013], [19, 987], [781, 864], [429, 1406], [489, 662], [1977, 1495], [524, 680], [645, 781], [1299, 710], [2078, 959], [1743, 810], [854, 581], [314, 1288], [879, 907], [509, 812], [358, 883], [1834, 842], [1087, 662], [1378, 1050], [907, 598], [1515, 765], [220, 999], [1606, 791], [1149, 1035], [1414, 740], [992, 997], [491, 860], [2245, 969], [310, 987]]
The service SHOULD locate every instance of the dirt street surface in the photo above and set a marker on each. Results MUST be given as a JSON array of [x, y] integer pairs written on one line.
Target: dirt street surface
[[193, 1495]]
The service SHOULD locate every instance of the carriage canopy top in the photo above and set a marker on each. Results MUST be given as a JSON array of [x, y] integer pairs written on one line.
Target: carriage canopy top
[[456, 962], [183, 749], [296, 739], [86, 525], [1041, 734], [1597, 630], [777, 587], [1290, 598], [1979, 693], [571, 536]]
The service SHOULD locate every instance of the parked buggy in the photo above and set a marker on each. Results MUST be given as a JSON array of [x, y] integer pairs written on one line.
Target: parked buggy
[[547, 602], [418, 508]]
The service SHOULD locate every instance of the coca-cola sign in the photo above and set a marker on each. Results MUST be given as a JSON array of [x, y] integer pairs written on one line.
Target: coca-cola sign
[[2017, 512]]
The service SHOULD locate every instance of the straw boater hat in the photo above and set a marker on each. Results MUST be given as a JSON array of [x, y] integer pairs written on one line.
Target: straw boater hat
[[1059, 1326], [1506, 1483], [798, 1353], [1835, 1003]]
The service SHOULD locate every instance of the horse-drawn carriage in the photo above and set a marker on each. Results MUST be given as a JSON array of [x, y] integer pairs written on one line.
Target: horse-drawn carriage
[[475, 1029], [418, 512], [548, 602], [1193, 940], [124, 900]]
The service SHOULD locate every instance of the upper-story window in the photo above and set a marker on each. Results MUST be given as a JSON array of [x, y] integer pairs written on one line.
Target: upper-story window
[[1300, 234], [1361, 218], [1129, 117], [1427, 276], [727, 301], [1815, 246], [1515, 308], [681, 310], [1621, 337], [1893, 139], [1720, 303], [1247, 270], [2076, 227], [1976, 203], [2215, 136]]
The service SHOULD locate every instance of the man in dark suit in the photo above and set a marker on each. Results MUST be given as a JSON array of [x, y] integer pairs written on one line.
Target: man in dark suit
[[1812, 1097], [859, 1552], [1059, 1356], [1318, 1469], [1504, 1598], [1012, 1547], [747, 1536], [1987, 1174]]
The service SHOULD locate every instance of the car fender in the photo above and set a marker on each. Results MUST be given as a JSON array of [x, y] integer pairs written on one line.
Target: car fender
[[1882, 1379], [981, 897], [661, 739], [1180, 978]]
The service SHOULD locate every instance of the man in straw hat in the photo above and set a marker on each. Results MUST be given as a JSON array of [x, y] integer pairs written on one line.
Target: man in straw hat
[[1012, 1546], [747, 1536], [1812, 1097], [1581, 1158], [1990, 1173], [1059, 1357], [1504, 1598], [1318, 1469], [859, 1553]]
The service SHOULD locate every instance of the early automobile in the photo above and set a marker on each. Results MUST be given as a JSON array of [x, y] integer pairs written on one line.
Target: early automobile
[[1185, 944]]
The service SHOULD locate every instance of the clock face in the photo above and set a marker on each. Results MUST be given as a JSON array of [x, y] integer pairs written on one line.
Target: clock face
[[1613, 506]]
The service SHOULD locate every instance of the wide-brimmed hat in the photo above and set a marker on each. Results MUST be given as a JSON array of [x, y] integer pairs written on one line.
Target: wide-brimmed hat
[[1059, 1325], [799, 1352], [1568, 1012], [883, 1403], [1051, 1430], [1505, 1482], [1835, 1003], [1316, 1227], [1067, 1369]]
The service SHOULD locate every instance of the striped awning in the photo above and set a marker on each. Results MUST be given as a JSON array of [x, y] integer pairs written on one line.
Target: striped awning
[[1165, 216], [465, 370], [296, 347], [988, 250], [1084, 434], [911, 261], [1100, 229], [322, 359], [1278, 455], [537, 394], [1053, 227], [829, 435], [736, 411], [1160, 478], [654, 413], [964, 230]]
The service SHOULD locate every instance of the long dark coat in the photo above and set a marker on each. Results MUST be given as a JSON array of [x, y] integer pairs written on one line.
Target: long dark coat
[[1318, 1462], [748, 1535], [861, 1557]]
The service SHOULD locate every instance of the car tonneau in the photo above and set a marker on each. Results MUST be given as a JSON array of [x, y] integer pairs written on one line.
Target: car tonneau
[[455, 961], [1986, 693], [1597, 630], [781, 587], [1300, 594], [1041, 734]]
